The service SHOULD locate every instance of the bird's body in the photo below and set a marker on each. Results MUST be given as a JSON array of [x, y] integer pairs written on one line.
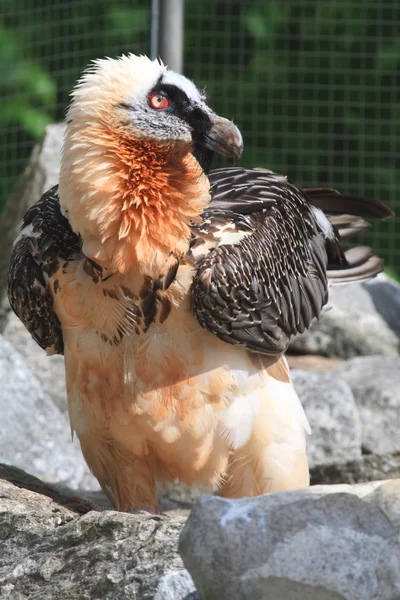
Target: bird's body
[[133, 263]]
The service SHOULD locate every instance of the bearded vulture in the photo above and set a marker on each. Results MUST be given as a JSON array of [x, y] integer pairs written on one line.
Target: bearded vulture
[[173, 291]]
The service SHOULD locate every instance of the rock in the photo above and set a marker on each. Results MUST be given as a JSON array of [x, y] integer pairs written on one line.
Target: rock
[[49, 552], [331, 410], [26, 481], [375, 383], [351, 327], [40, 174], [178, 499], [5, 309], [367, 468], [312, 362], [324, 543], [385, 294], [34, 434], [177, 585], [50, 156], [49, 370]]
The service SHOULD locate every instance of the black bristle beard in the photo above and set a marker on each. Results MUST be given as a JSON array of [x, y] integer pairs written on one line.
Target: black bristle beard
[[204, 157]]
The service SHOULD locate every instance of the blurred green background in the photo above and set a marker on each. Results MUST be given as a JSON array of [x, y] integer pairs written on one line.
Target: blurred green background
[[314, 85]]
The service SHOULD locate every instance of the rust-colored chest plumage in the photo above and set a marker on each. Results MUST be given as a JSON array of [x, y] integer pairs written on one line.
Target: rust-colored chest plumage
[[131, 203]]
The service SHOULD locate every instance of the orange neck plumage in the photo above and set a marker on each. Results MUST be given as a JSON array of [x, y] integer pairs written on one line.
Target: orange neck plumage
[[132, 201]]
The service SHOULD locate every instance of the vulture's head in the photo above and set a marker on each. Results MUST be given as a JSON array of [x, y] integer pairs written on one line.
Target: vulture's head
[[143, 100], [138, 142]]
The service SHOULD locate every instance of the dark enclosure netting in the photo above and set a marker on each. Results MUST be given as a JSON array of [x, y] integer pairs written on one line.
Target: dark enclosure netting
[[314, 85]]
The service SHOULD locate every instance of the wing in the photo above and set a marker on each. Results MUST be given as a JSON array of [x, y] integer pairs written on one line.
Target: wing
[[45, 239], [262, 254]]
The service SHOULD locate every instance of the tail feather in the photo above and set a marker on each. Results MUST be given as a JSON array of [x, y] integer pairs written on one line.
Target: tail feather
[[349, 226], [360, 273], [358, 263], [332, 201]]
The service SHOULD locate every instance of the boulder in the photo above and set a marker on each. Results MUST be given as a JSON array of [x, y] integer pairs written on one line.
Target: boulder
[[312, 362], [370, 467], [49, 157], [375, 383], [49, 552], [40, 174], [49, 370], [333, 416], [177, 585], [324, 543], [34, 434], [385, 294], [350, 326]]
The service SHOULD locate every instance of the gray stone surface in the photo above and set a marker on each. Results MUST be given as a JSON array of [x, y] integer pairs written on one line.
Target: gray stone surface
[[370, 467], [350, 326], [177, 585], [331, 410], [385, 294], [50, 155], [375, 383], [325, 543], [49, 370], [34, 434], [50, 553], [40, 174]]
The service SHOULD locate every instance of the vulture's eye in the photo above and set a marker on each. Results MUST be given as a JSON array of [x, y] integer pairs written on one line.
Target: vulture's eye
[[158, 101]]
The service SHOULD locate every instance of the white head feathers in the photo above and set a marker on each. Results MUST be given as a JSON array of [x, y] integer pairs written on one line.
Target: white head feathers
[[108, 82]]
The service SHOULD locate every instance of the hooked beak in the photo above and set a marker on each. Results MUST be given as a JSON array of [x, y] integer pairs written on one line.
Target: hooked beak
[[224, 138]]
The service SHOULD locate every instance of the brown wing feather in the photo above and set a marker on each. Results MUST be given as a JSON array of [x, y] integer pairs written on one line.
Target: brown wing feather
[[272, 280], [46, 241], [272, 283]]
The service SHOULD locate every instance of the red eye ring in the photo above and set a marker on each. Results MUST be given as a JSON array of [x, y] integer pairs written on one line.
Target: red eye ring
[[158, 101]]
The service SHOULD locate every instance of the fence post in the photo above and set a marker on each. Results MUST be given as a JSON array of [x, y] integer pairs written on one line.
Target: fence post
[[155, 18], [170, 33]]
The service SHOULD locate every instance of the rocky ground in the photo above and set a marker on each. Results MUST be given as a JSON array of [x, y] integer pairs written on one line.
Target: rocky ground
[[330, 542]]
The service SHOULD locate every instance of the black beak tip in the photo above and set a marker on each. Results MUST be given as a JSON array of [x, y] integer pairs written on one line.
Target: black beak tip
[[237, 154], [226, 139], [234, 143]]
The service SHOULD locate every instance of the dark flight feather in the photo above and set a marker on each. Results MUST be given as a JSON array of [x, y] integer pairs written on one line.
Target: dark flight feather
[[269, 284], [46, 240]]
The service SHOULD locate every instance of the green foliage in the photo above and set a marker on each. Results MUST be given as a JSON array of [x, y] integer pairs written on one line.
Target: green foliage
[[44, 46], [392, 273], [313, 84], [27, 89]]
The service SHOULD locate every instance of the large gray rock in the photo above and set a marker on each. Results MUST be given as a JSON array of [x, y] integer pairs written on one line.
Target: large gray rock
[[385, 294], [49, 370], [50, 156], [40, 174], [350, 326], [325, 543], [48, 552], [370, 467], [177, 585], [312, 362], [375, 383], [34, 434], [331, 410]]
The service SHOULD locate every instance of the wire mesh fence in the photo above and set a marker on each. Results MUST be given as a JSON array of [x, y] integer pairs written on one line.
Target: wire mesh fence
[[314, 85]]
